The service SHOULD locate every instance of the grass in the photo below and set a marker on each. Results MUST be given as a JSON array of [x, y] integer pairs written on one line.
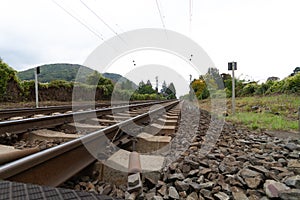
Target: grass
[[277, 112]]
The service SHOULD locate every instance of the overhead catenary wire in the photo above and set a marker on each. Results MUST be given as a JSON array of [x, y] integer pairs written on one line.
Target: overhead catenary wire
[[99, 35], [160, 15], [98, 17], [190, 15]]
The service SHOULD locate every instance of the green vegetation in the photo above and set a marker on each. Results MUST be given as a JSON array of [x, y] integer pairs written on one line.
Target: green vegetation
[[61, 71], [59, 78], [6, 74], [277, 112], [67, 72], [212, 82], [272, 105]]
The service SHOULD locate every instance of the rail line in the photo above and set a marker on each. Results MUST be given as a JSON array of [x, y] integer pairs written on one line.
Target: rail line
[[22, 125], [27, 112], [54, 166]]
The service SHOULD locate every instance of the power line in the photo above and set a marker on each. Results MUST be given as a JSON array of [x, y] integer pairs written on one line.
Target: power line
[[106, 24], [190, 15], [160, 14], [78, 20]]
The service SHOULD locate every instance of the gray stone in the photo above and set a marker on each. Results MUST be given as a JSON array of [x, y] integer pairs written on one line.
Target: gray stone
[[238, 194], [294, 154], [206, 193], [192, 196], [181, 186], [157, 198], [150, 195], [292, 146], [221, 196], [186, 168], [261, 169], [163, 190], [247, 173], [195, 186], [294, 165], [292, 194], [293, 181], [193, 164], [107, 189], [253, 182], [173, 193], [176, 176], [193, 172], [272, 188], [207, 185]]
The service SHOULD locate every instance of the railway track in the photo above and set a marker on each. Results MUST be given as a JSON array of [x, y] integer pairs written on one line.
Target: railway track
[[55, 165], [35, 134], [20, 113]]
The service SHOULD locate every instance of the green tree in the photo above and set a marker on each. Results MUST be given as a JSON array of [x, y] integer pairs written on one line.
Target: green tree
[[145, 88], [171, 91], [296, 70], [200, 88], [6, 74], [213, 75], [163, 88], [97, 79]]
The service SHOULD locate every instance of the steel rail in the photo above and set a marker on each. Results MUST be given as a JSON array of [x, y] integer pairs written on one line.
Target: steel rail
[[56, 165], [23, 125], [25, 112]]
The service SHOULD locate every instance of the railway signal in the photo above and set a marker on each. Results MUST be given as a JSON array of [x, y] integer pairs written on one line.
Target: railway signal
[[233, 66]]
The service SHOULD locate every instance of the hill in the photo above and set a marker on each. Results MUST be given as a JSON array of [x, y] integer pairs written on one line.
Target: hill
[[65, 71], [59, 71]]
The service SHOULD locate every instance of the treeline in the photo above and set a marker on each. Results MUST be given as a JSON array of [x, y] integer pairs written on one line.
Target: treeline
[[144, 91], [95, 87], [212, 83]]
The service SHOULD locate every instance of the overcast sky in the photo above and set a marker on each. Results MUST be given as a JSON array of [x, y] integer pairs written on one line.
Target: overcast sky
[[262, 36]]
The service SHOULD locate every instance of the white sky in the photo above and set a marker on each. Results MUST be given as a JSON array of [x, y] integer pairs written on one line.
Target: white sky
[[262, 36]]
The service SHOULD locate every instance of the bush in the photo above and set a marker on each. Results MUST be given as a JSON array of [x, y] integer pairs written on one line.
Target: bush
[[6, 74], [292, 84], [60, 83], [249, 89]]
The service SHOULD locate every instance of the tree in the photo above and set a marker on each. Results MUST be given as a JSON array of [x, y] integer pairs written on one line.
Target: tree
[[273, 78], [164, 88], [145, 88], [6, 74], [97, 79], [127, 85], [200, 88], [102, 83], [149, 83], [171, 91], [214, 79], [295, 71]]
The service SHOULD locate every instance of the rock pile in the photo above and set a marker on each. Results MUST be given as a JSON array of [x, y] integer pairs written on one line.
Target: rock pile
[[241, 165]]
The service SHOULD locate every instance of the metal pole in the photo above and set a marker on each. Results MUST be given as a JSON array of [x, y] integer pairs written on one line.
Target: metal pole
[[156, 78], [36, 89], [233, 89], [299, 119], [190, 92]]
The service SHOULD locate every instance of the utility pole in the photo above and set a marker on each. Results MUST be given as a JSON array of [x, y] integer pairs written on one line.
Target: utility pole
[[156, 88], [190, 92], [233, 66], [36, 72]]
